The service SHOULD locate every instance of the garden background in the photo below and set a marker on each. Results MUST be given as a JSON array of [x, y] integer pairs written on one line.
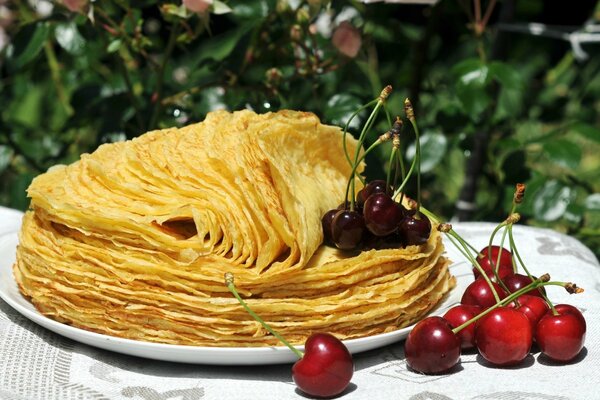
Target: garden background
[[504, 91]]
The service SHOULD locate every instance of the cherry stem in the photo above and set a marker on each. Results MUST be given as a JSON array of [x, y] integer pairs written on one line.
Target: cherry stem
[[517, 256], [463, 246], [361, 140], [391, 162], [353, 174], [410, 114], [231, 286], [542, 281], [369, 104]]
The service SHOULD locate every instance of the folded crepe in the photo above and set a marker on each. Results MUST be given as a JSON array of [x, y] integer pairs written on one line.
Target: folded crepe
[[134, 239]]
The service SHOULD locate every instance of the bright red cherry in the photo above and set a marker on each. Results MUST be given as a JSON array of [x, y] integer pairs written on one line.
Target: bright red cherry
[[457, 316], [561, 337], [517, 281], [478, 293], [382, 214], [534, 308], [431, 347], [505, 267], [347, 229], [326, 368], [503, 337]]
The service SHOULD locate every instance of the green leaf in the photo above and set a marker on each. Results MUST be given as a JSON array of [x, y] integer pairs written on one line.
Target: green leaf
[[472, 77], [592, 202], [586, 130], [28, 43], [115, 45], [551, 201], [6, 155], [249, 10], [563, 152], [340, 108], [507, 75], [218, 8], [433, 150], [472, 72], [219, 47], [68, 37]]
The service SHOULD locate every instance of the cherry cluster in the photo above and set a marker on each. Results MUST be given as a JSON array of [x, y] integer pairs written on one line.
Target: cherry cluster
[[377, 221], [501, 315], [375, 217]]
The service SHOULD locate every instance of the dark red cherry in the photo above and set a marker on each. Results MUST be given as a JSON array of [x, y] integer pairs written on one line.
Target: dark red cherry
[[326, 222], [457, 316], [431, 347], [326, 368], [415, 229], [479, 293], [517, 281], [382, 214], [347, 229], [376, 186]]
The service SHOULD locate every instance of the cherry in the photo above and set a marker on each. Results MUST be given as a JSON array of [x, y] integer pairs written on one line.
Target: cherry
[[561, 337], [431, 346], [515, 282], [326, 368], [326, 222], [415, 229], [487, 261], [457, 316], [504, 336], [382, 214], [534, 308], [478, 293], [347, 229], [376, 186]]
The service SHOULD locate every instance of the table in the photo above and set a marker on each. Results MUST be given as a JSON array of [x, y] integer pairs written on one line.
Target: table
[[38, 364]]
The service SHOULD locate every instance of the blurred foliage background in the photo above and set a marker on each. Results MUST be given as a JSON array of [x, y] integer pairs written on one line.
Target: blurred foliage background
[[496, 104]]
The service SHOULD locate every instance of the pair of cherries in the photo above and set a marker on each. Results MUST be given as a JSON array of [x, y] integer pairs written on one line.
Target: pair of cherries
[[503, 332], [374, 221]]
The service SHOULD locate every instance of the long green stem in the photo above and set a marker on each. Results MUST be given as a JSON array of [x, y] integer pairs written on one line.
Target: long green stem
[[464, 250], [353, 173], [233, 290], [345, 132]]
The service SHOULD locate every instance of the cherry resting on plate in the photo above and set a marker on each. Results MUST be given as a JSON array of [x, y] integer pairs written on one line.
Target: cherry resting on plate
[[561, 337], [504, 336], [431, 346], [505, 267], [326, 368]]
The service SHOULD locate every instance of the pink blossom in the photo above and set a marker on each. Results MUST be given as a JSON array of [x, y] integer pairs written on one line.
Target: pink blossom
[[197, 6], [346, 38], [75, 5]]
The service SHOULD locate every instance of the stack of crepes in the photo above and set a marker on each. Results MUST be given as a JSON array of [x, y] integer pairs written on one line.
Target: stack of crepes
[[134, 239]]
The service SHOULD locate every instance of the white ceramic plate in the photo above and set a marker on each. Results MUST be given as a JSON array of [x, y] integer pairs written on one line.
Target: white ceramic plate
[[191, 354]]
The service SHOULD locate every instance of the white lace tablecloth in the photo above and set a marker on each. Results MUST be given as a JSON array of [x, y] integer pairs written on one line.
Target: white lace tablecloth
[[38, 364]]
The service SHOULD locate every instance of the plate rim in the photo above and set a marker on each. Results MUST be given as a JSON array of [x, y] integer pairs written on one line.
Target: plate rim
[[165, 351]]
